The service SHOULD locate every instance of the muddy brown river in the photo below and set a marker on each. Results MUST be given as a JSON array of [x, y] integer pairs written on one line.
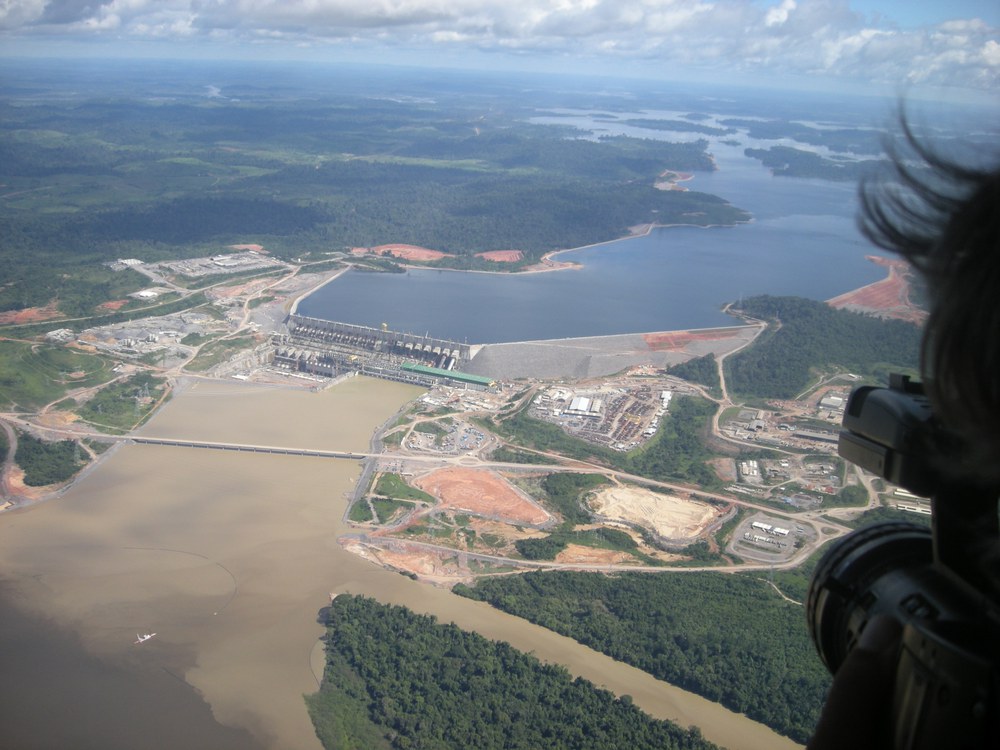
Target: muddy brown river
[[228, 557]]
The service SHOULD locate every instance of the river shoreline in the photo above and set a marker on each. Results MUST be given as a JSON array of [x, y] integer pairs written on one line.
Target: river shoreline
[[230, 556]]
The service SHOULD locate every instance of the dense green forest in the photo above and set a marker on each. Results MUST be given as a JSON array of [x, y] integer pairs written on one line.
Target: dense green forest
[[395, 679], [885, 513], [742, 645], [92, 180], [813, 336], [846, 140], [702, 370], [46, 462], [678, 451], [680, 126], [794, 162]]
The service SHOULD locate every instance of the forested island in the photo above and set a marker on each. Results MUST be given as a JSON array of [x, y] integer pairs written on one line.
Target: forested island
[[395, 679], [785, 161], [853, 141]]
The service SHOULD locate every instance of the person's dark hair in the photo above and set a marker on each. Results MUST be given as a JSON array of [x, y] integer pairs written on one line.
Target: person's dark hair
[[944, 218]]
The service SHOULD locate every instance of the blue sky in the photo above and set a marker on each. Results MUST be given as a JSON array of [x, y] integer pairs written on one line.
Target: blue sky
[[890, 44], [917, 13]]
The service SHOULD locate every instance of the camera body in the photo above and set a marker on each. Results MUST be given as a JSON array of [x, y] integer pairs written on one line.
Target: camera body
[[933, 581]]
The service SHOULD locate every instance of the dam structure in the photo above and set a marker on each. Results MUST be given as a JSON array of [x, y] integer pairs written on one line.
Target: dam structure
[[330, 348]]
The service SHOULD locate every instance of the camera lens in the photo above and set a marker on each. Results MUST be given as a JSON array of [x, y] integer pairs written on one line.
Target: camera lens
[[856, 579]]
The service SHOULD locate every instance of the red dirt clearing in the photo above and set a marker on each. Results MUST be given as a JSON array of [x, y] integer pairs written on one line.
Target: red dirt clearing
[[502, 256], [678, 340], [482, 493], [30, 315], [577, 553], [406, 252], [888, 298], [115, 304]]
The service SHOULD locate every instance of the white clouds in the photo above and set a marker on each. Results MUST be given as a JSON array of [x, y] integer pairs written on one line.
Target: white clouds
[[16, 13], [777, 16], [776, 37], [991, 53]]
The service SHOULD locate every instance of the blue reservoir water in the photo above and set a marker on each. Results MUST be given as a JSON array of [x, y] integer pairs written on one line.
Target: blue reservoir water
[[802, 241]]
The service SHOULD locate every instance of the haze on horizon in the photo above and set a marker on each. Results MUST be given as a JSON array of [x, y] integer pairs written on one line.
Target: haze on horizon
[[867, 46]]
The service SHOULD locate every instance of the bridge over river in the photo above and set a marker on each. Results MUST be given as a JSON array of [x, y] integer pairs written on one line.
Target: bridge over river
[[182, 443]]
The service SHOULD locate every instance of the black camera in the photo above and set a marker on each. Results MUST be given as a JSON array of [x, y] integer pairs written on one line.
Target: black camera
[[936, 581]]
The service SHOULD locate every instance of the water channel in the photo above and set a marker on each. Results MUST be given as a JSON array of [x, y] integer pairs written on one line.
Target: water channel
[[228, 557]]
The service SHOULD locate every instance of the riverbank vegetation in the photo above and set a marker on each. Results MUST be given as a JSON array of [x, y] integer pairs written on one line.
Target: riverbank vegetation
[[395, 679], [46, 462], [742, 645]]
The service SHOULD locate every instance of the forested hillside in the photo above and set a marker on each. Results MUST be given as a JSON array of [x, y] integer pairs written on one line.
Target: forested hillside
[[395, 679], [702, 370], [805, 335], [741, 645]]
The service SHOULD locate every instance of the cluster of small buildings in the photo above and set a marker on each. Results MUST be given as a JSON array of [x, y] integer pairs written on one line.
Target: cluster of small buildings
[[219, 264], [665, 397], [758, 539], [127, 339], [618, 417], [769, 529], [770, 535]]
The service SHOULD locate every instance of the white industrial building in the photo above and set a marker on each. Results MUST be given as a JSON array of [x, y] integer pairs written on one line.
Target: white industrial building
[[585, 407]]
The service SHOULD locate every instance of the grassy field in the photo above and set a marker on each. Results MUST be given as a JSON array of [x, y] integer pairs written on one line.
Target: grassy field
[[393, 486], [218, 352], [386, 508], [122, 406], [360, 512], [32, 375]]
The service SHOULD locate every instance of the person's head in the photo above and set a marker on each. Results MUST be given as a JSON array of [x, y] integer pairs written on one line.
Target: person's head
[[944, 218]]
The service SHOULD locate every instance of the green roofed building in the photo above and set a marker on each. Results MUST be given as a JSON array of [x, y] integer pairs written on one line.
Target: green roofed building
[[477, 381]]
